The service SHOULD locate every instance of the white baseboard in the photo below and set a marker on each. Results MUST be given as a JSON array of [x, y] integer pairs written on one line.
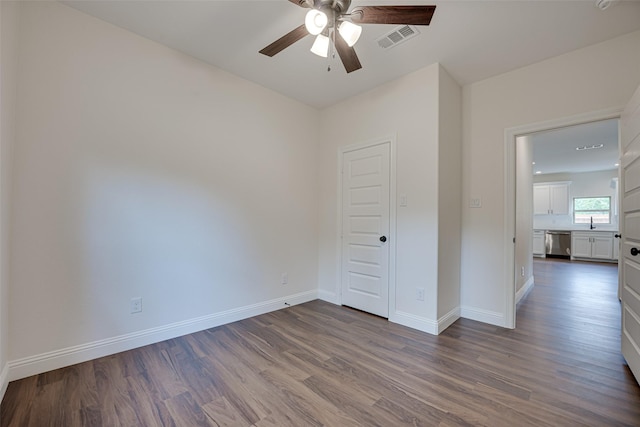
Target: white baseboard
[[447, 320], [423, 324], [525, 289], [327, 296], [4, 380], [416, 322], [481, 315], [44, 362]]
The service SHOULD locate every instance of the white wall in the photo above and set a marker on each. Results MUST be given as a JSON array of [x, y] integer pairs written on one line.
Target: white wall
[[591, 79], [588, 184], [449, 200], [409, 109], [141, 172], [8, 65], [524, 214]]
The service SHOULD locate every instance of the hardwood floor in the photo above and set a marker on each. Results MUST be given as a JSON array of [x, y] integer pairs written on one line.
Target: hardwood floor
[[319, 364]]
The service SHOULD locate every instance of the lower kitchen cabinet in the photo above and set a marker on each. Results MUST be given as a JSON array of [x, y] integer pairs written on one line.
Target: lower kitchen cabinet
[[596, 245], [538, 243]]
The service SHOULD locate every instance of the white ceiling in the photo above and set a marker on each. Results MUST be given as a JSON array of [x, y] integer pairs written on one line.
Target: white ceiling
[[473, 40], [555, 151]]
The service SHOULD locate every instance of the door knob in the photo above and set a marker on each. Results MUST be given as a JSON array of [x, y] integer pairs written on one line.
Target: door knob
[[383, 239], [617, 236], [634, 251]]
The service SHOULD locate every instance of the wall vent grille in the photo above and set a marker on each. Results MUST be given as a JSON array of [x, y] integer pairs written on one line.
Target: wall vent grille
[[397, 35]]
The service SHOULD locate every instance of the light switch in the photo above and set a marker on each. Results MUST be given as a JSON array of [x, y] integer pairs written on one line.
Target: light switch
[[403, 200], [475, 202]]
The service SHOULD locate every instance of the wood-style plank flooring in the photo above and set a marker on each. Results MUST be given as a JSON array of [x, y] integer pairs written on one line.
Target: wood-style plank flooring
[[318, 364]]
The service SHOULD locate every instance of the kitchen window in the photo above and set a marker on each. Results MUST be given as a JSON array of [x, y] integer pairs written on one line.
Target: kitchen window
[[592, 209]]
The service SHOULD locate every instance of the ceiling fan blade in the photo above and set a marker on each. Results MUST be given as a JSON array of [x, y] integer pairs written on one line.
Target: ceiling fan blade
[[303, 3], [347, 55], [285, 41], [409, 15]]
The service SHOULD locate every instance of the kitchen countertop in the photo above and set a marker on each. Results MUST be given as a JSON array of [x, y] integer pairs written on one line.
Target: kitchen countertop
[[604, 230]]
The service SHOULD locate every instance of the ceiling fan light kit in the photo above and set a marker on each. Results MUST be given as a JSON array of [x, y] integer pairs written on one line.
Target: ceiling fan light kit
[[315, 21], [328, 16], [321, 46], [350, 32]]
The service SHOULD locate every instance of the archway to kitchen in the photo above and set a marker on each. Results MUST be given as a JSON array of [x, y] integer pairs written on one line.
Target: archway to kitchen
[[563, 194]]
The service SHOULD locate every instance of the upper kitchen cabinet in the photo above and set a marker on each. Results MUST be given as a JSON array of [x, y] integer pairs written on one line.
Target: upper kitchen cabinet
[[551, 198]]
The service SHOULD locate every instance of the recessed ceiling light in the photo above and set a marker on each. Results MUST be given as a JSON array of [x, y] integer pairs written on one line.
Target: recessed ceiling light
[[533, 163], [616, 164], [538, 172], [589, 147], [604, 4]]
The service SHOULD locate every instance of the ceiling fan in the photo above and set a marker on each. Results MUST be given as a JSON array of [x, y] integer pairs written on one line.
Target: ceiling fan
[[326, 17]]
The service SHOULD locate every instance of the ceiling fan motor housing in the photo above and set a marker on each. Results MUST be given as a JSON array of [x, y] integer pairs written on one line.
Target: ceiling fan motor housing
[[337, 6]]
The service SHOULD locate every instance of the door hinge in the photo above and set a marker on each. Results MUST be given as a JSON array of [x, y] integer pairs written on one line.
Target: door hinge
[[514, 240]]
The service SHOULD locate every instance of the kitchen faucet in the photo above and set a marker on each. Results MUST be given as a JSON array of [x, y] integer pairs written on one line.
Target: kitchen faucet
[[592, 226]]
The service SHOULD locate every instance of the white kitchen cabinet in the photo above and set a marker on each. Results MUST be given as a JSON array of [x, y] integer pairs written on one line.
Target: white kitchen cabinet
[[580, 245], [602, 247], [551, 198], [595, 245], [538, 243]]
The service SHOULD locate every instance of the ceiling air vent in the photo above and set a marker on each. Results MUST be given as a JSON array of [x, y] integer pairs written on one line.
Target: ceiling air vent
[[398, 35]]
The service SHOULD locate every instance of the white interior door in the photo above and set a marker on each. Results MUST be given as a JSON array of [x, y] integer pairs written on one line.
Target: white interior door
[[630, 230], [365, 228]]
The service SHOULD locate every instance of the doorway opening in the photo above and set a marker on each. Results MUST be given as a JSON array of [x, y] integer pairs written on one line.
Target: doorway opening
[[557, 211]]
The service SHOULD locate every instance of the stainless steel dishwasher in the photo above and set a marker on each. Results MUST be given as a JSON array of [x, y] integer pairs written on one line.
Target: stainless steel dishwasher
[[558, 243]]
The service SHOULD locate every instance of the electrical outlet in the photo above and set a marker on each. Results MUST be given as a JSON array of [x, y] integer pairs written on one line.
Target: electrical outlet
[[420, 294], [522, 271], [136, 305], [285, 278]]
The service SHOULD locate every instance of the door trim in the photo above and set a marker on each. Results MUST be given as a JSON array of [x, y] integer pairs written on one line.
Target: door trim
[[391, 140], [510, 135]]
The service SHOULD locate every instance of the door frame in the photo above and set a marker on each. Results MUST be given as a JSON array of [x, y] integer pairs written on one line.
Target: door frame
[[510, 135], [391, 140]]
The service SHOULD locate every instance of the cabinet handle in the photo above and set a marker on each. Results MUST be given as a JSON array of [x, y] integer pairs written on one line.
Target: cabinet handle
[[634, 251], [618, 235]]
